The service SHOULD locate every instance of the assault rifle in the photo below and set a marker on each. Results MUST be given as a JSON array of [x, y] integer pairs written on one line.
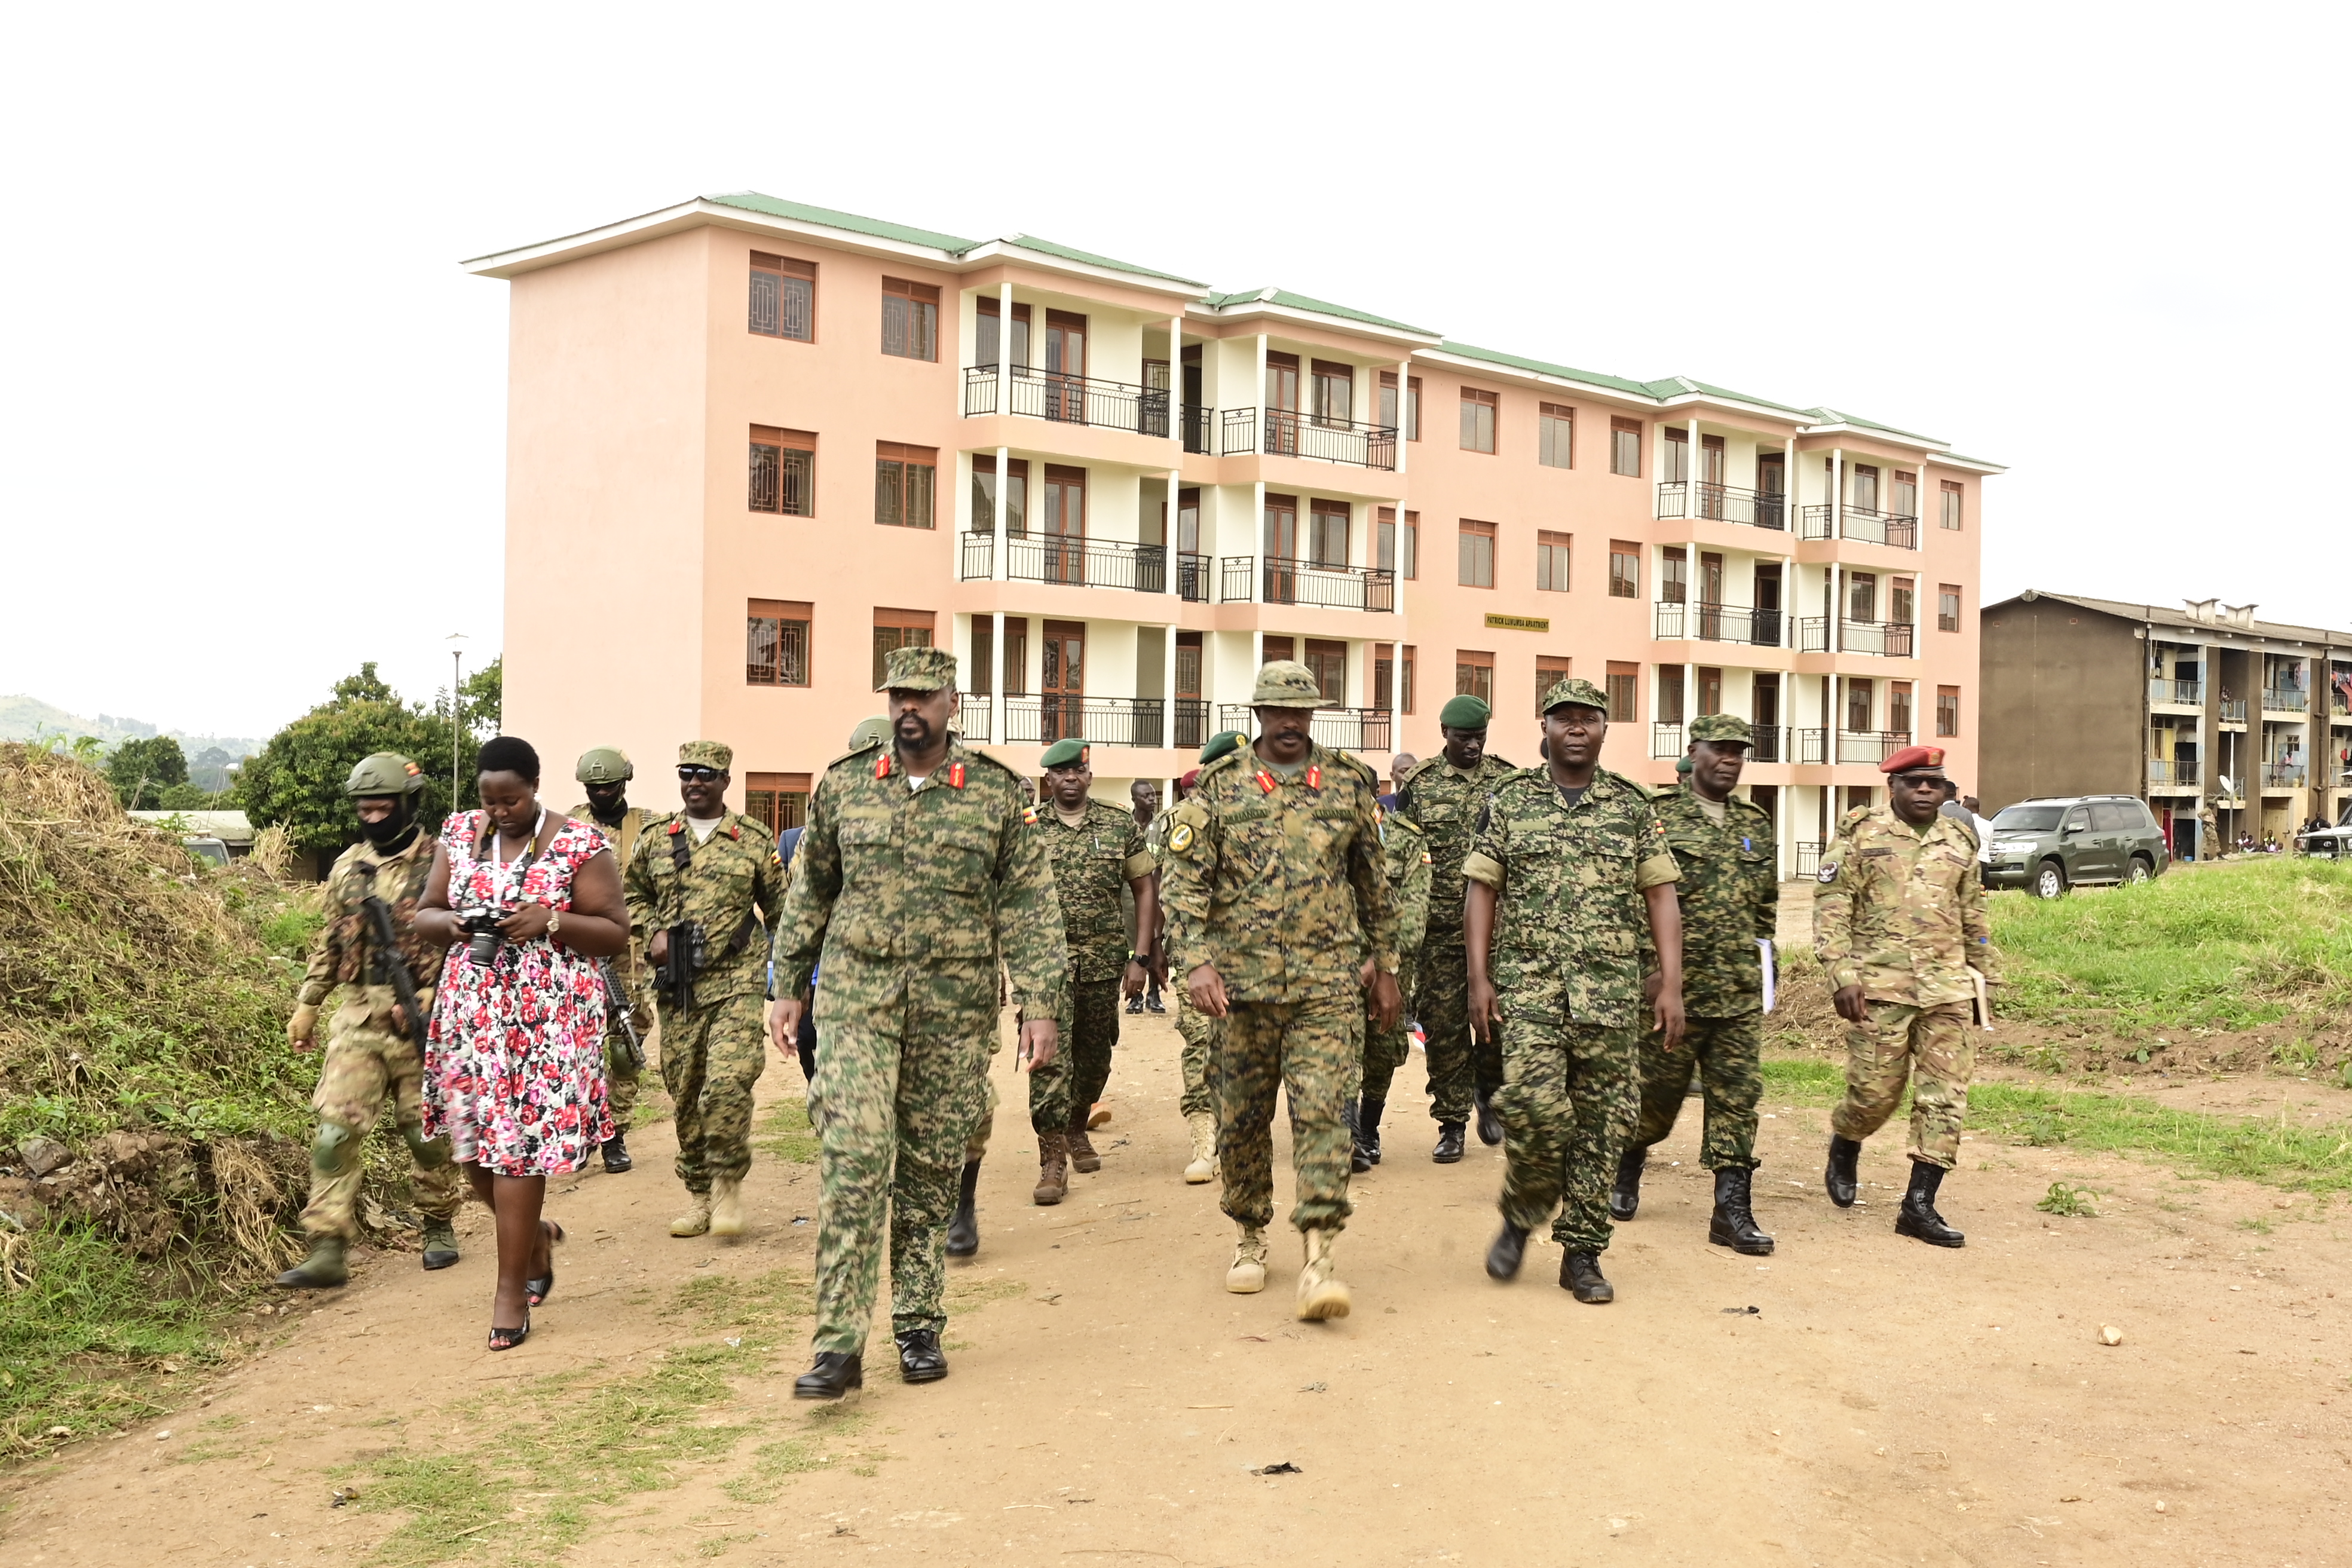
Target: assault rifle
[[616, 1002], [387, 959]]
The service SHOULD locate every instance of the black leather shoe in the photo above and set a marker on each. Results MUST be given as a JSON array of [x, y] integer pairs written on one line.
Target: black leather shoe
[[1367, 1127], [1842, 1178], [1152, 1004], [834, 1374], [1625, 1191], [1919, 1219], [963, 1230], [1490, 1121], [617, 1155], [1135, 1006], [1359, 1159], [1449, 1143], [1509, 1251], [1581, 1272], [920, 1360], [1733, 1225]]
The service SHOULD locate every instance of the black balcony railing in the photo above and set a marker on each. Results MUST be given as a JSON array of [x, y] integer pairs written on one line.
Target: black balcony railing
[[1723, 503], [1200, 429], [1813, 634], [1191, 723], [1086, 563], [1346, 729], [1890, 640], [1719, 623], [1808, 856], [1812, 747], [1290, 433], [1192, 577], [1067, 399], [1097, 720], [1666, 740], [1862, 523], [1279, 579], [1772, 744], [1873, 746], [972, 719], [976, 557]]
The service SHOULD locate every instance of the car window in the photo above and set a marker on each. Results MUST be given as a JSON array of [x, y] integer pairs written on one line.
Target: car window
[[2080, 817], [2027, 819], [2112, 816]]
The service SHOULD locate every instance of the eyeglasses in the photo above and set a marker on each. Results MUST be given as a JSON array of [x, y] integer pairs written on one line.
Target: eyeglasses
[[696, 774]]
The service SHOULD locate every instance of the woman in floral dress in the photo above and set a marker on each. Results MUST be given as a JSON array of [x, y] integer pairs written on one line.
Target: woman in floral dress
[[514, 1066]]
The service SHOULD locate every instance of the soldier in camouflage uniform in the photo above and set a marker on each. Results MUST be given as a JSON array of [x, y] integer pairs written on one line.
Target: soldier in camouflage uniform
[[1442, 797], [1898, 924], [606, 771], [373, 1048], [718, 870], [916, 872], [1278, 916], [1565, 858], [1730, 900], [1406, 860], [1199, 1032]]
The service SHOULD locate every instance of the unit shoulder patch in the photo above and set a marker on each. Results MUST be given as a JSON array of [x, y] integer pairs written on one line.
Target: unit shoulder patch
[[1827, 874]]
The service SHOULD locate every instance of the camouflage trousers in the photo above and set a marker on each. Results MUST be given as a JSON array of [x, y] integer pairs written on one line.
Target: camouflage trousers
[[1457, 1064], [1567, 1104], [364, 1064], [1725, 1052], [1308, 1051], [1386, 1050], [1199, 1032], [901, 1065], [710, 1057], [1934, 1050], [1089, 1039]]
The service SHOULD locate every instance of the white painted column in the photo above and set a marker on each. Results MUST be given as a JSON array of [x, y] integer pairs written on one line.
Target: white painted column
[[1170, 536], [1005, 349], [1175, 396], [1698, 462], [1003, 489], [1396, 697], [1257, 408], [1168, 689], [1404, 391], [998, 712], [1837, 492], [1257, 540]]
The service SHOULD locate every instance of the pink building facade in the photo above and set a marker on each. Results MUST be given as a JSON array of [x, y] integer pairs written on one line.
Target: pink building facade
[[754, 445]]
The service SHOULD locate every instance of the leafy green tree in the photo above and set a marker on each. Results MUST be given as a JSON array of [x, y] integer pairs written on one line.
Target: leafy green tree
[[188, 797], [142, 768], [297, 778]]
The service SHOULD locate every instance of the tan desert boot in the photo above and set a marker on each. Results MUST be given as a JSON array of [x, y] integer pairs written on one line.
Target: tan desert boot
[[1320, 1294], [1053, 1169], [726, 1208], [1098, 1117], [1247, 1275], [696, 1220], [1204, 1167]]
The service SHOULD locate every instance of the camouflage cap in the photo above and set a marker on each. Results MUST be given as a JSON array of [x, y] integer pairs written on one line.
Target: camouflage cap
[[918, 670], [1222, 743], [1286, 683], [1722, 727], [385, 773], [869, 731], [1064, 754], [706, 754], [1580, 692], [604, 765], [1465, 712]]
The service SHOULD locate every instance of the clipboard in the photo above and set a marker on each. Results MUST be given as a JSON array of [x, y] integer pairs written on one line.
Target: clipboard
[[1983, 1000], [1764, 948]]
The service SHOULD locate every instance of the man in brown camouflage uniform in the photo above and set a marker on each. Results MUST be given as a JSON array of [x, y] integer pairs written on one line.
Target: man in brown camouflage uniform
[[372, 1046], [1899, 925], [1279, 918], [606, 771]]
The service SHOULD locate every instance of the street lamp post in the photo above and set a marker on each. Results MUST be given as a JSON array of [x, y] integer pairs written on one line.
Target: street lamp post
[[457, 714]]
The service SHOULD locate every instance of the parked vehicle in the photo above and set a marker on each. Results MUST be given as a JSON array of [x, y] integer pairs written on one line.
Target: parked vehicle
[[2048, 846], [2333, 843]]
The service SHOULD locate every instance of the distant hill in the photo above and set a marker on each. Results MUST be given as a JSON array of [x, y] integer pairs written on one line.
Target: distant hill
[[22, 718]]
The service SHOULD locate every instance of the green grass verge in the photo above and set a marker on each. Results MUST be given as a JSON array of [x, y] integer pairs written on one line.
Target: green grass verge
[[785, 1133], [81, 1345]]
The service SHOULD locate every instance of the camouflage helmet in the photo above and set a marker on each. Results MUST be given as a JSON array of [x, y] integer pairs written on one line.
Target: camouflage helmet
[[870, 732], [605, 765], [385, 773]]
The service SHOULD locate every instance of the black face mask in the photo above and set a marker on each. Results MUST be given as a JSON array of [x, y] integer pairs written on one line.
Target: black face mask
[[620, 809], [392, 834]]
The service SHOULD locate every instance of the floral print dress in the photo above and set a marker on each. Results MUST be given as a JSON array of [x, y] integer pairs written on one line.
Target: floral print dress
[[514, 1066]]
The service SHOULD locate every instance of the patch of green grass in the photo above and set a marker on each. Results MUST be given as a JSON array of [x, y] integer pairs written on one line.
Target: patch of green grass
[[773, 1465], [2258, 1225], [2309, 1159], [455, 1504], [1803, 1078], [785, 1134], [287, 931], [968, 1295], [78, 1344], [2072, 1203]]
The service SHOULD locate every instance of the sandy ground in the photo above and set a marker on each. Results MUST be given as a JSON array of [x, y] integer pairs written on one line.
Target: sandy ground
[[1856, 1398]]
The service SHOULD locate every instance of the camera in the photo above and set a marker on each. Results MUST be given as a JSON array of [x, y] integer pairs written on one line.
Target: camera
[[483, 937]]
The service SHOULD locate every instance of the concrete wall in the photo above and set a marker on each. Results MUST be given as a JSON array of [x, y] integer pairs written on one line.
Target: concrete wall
[[2064, 688]]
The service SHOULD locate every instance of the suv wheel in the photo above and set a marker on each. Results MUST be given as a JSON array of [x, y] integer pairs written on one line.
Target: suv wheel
[[2139, 872], [2049, 880]]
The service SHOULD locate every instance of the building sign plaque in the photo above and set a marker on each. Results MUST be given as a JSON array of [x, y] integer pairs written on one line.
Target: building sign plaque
[[1520, 622]]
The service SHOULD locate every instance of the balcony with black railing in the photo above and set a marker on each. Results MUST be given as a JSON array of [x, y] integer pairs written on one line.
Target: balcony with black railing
[[1866, 524], [1036, 394], [1347, 729], [1281, 580], [1889, 639], [1812, 747], [1200, 427], [1770, 746], [973, 719], [1666, 740], [1139, 722], [1723, 503], [1192, 577], [1871, 746], [1808, 856], [1718, 623], [1319, 438]]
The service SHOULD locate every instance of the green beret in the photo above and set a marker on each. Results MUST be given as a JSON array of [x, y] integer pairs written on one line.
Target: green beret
[[1582, 694], [707, 755], [1064, 754], [1722, 727], [918, 670], [1683, 766], [1222, 744], [1286, 683], [1465, 712]]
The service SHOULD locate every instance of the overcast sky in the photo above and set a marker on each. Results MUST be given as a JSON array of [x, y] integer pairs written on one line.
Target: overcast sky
[[255, 412]]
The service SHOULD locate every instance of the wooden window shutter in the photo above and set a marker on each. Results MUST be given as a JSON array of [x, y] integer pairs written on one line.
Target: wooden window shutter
[[791, 440]]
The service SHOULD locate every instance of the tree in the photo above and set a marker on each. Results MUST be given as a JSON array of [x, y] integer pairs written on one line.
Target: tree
[[296, 779], [142, 768]]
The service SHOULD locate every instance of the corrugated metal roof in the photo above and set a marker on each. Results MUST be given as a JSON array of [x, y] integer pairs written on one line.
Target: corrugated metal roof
[[1289, 301]]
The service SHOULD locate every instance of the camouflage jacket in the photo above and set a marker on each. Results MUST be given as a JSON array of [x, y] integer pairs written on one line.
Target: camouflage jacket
[[1443, 801], [1569, 884], [622, 836], [722, 881], [949, 871], [1730, 895], [1279, 882], [1093, 863], [1900, 913], [344, 953], [1410, 872]]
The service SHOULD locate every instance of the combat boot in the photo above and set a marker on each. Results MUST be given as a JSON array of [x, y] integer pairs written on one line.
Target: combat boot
[[1359, 1159], [1053, 1169], [1490, 1121], [1320, 1294], [1580, 1273], [963, 1230], [1733, 1224], [1919, 1219], [1843, 1178], [1508, 1251], [1245, 1275], [322, 1270], [1367, 1127], [1625, 1191], [1202, 1125], [1449, 1143], [696, 1220], [440, 1244], [1083, 1158], [834, 1375], [727, 1206], [616, 1155]]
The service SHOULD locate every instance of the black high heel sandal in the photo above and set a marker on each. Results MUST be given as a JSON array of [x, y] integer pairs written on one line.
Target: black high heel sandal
[[507, 1339], [541, 1288]]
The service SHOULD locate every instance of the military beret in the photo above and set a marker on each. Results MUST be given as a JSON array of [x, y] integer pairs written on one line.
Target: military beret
[[604, 765], [869, 730], [1465, 712], [1582, 694], [1683, 766], [1722, 727], [1188, 781], [1222, 744], [1914, 760], [1286, 683], [1063, 753], [706, 754], [918, 670]]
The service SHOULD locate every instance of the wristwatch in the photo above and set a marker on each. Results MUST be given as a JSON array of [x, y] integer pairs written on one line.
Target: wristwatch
[[554, 923], [1142, 958]]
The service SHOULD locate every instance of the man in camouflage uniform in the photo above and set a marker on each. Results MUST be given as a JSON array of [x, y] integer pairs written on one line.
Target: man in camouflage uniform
[[1199, 1032], [1152, 822], [917, 872], [606, 771], [1730, 898], [1406, 858], [718, 872], [1566, 857], [1278, 916], [1899, 925], [1442, 797], [372, 1046]]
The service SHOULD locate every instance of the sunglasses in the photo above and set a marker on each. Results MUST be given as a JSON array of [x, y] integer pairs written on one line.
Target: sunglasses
[[696, 775]]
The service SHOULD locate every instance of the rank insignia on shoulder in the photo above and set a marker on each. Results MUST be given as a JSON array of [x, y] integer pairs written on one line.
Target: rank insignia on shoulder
[[1180, 838], [955, 775], [882, 766], [1827, 874], [1029, 814], [1425, 859], [1314, 775], [1265, 781]]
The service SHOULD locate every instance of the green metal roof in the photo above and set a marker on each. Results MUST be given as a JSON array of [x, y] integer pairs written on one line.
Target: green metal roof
[[1284, 297], [1683, 386], [1069, 253], [753, 201], [1836, 416], [1592, 377]]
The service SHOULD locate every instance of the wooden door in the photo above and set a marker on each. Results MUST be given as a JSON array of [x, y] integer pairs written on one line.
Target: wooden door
[[1065, 524], [1710, 597], [1329, 659], [1066, 366], [1062, 682], [1772, 484], [1282, 403], [1282, 550]]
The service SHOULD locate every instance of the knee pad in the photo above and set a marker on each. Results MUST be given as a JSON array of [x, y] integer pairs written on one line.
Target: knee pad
[[430, 1153], [334, 1149]]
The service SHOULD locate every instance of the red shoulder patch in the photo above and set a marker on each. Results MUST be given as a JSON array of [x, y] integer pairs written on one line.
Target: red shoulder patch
[[1314, 775], [882, 766], [1265, 781], [955, 775]]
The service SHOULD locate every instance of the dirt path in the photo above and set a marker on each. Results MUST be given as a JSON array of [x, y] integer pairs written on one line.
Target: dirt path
[[1885, 1402]]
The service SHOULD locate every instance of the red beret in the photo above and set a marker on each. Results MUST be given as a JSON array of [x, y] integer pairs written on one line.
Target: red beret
[[1189, 780], [1913, 759]]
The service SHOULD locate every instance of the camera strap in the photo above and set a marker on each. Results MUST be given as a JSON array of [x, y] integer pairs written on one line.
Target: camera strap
[[511, 873]]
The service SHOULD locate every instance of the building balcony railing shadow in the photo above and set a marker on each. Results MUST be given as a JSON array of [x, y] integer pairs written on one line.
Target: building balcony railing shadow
[[1279, 579], [1723, 503], [1719, 623], [1345, 729], [1049, 394], [1862, 523]]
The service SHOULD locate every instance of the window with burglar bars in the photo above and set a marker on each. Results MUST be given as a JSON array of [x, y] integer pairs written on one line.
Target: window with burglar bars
[[776, 642], [910, 318], [1948, 607], [1550, 671], [1948, 710], [904, 480], [1474, 676], [1556, 435], [783, 472], [1624, 570], [783, 297], [1953, 491], [1551, 561], [1623, 690], [894, 629], [1624, 445], [1479, 412], [1477, 551], [780, 800]]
